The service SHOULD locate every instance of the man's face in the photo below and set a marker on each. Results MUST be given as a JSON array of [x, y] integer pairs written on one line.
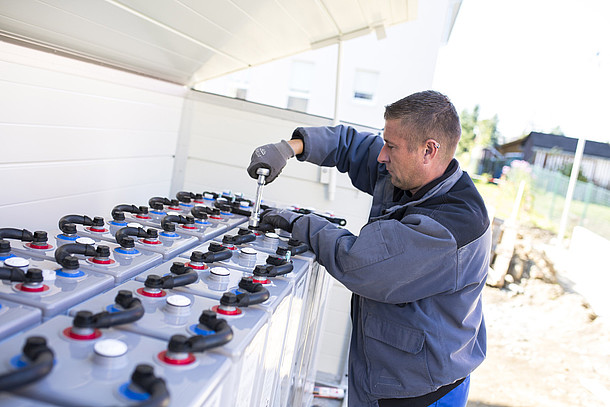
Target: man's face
[[404, 165]]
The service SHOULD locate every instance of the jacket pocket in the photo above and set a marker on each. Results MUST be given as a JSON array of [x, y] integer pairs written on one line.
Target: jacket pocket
[[396, 358]]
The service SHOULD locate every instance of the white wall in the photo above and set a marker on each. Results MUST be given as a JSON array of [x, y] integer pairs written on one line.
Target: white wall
[[270, 83], [80, 138], [405, 60], [222, 133]]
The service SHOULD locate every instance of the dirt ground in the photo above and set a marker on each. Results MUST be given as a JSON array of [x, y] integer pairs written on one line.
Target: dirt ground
[[545, 346]]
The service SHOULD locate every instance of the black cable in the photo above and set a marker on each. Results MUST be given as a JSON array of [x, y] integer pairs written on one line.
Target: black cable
[[66, 250], [13, 274], [132, 311], [18, 234], [40, 358]]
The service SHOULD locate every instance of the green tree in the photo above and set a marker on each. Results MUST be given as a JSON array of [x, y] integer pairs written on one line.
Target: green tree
[[476, 135], [476, 131], [557, 131], [469, 122], [488, 132]]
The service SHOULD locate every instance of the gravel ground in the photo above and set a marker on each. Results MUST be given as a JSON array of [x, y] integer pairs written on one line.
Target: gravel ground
[[545, 345]]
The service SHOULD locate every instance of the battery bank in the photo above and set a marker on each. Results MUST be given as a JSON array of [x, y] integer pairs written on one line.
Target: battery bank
[[96, 371], [163, 318]]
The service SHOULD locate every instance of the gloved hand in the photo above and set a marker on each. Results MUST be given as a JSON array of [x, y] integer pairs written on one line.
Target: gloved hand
[[282, 218], [272, 157]]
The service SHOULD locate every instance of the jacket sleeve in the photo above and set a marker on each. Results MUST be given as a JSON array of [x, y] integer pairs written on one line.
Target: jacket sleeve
[[390, 261], [345, 148]]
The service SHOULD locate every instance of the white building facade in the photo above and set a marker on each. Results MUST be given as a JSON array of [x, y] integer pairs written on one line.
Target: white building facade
[[376, 70]]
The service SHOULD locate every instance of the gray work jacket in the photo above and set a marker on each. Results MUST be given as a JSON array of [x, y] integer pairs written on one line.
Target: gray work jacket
[[416, 270]]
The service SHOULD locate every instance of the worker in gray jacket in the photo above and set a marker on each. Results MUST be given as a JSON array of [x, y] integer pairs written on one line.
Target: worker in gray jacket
[[417, 268]]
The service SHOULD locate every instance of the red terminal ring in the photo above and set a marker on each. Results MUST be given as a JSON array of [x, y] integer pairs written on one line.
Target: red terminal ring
[[265, 281], [96, 230], [39, 247], [220, 311], [204, 267], [68, 332], [180, 362], [143, 292], [146, 241], [97, 261], [21, 287]]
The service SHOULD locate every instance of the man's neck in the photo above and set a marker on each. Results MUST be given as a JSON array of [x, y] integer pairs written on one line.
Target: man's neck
[[421, 191]]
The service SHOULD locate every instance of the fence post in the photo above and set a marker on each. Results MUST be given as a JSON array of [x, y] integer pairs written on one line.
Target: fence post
[[570, 193]]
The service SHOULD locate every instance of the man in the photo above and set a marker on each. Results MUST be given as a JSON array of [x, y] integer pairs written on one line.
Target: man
[[418, 266]]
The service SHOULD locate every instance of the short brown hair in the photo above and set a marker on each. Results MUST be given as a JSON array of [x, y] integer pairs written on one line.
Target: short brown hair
[[428, 114]]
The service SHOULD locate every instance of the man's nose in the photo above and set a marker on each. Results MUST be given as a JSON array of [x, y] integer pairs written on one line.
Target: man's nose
[[383, 155]]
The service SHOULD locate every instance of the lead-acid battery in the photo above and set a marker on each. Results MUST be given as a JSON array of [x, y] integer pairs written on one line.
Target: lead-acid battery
[[169, 312], [53, 288], [96, 370]]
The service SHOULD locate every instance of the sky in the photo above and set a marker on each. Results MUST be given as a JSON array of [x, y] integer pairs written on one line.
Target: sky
[[537, 64]]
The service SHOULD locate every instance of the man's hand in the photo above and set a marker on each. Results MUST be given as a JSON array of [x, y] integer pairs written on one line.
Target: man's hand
[[283, 219], [270, 156]]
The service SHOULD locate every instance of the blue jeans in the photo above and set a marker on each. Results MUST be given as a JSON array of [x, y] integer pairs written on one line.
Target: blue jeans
[[457, 397]]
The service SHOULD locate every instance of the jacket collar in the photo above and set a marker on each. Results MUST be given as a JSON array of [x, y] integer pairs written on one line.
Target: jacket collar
[[438, 186]]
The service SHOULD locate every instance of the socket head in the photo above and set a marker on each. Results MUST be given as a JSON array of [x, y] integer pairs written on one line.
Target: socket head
[[263, 171]]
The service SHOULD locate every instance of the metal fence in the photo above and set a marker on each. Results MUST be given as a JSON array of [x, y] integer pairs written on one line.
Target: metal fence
[[590, 205]]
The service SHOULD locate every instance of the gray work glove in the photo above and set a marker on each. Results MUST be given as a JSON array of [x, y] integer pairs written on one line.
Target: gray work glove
[[280, 218], [270, 156]]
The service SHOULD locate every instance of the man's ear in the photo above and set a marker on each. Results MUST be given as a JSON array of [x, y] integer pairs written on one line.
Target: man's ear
[[431, 150]]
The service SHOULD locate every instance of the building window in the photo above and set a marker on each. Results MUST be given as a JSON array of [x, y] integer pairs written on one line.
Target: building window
[[365, 84], [297, 103], [301, 76], [240, 83], [301, 80], [241, 93]]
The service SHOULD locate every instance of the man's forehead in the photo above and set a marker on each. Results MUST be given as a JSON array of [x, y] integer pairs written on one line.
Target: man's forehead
[[393, 130]]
